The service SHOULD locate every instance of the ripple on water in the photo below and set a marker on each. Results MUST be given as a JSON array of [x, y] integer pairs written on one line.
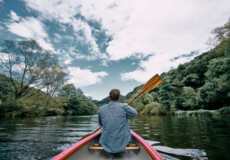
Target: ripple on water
[[194, 153], [67, 139], [167, 157], [170, 152], [152, 142]]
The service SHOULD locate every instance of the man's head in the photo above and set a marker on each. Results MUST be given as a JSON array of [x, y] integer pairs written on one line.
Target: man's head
[[114, 95]]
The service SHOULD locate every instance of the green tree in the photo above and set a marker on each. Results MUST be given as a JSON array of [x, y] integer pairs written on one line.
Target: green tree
[[187, 99], [218, 67], [156, 97], [207, 96], [54, 78], [221, 33], [26, 64], [6, 90], [191, 80], [79, 106], [69, 91], [216, 91], [169, 91], [156, 109], [76, 103]]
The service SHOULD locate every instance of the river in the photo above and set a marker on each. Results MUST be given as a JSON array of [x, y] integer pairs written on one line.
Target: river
[[184, 138]]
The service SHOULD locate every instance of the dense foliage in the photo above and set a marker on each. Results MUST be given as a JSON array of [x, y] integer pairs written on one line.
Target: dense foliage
[[76, 103]]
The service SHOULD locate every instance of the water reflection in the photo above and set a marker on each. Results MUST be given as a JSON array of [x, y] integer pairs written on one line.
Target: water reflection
[[186, 137], [183, 138]]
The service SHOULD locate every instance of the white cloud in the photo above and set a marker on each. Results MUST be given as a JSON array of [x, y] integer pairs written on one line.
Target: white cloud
[[30, 28], [4, 57], [18, 67], [173, 27], [64, 57], [84, 32], [166, 27], [62, 10], [163, 28], [44, 43], [4, 61], [68, 61], [65, 12], [104, 63], [85, 77], [156, 64], [14, 16]]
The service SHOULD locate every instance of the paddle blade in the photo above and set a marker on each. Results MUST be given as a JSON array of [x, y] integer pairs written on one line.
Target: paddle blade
[[151, 84]]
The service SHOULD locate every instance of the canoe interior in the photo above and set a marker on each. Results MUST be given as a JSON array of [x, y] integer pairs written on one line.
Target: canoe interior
[[85, 154]]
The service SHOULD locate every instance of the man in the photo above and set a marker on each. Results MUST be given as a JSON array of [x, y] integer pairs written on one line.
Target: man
[[112, 117]]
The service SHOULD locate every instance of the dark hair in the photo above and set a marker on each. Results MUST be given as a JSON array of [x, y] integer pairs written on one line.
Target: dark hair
[[114, 95]]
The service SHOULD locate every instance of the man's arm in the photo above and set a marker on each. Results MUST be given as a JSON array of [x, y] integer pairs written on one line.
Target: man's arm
[[130, 111], [99, 118]]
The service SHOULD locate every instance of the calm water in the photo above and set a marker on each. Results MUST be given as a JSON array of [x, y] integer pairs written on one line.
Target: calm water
[[185, 138]]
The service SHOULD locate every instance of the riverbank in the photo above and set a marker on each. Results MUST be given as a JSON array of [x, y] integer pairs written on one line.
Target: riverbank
[[225, 111], [14, 110]]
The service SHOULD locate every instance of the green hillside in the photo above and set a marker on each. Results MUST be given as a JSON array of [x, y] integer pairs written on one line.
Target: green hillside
[[203, 83], [199, 85]]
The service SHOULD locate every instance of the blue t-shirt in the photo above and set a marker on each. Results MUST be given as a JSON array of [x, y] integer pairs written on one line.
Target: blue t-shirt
[[116, 132]]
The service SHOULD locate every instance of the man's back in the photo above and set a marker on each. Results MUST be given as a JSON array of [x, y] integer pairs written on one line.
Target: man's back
[[116, 132]]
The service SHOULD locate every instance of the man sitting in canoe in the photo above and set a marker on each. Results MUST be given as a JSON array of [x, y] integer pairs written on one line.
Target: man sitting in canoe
[[112, 117]]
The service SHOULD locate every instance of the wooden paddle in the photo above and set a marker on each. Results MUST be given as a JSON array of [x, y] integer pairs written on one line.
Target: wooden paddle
[[150, 85]]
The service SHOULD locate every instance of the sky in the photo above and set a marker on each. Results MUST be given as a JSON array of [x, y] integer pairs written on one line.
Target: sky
[[108, 44]]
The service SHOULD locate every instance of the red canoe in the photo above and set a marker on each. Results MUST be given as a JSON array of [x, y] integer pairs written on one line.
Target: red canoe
[[88, 149]]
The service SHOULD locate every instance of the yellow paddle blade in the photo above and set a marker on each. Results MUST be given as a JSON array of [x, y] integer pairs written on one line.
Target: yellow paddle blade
[[151, 84]]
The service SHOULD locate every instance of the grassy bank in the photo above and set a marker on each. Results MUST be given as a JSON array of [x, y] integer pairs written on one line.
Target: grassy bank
[[225, 111]]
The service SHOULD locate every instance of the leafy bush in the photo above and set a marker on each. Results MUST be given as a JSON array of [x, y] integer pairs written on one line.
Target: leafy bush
[[225, 110], [180, 113], [157, 109], [187, 99], [50, 112], [200, 112], [11, 108], [152, 108]]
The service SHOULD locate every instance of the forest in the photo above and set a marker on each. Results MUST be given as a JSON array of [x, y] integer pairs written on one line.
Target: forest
[[32, 83]]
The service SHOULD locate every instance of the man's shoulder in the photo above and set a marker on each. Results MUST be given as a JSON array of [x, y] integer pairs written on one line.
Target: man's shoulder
[[112, 104], [104, 106], [123, 104], [120, 104]]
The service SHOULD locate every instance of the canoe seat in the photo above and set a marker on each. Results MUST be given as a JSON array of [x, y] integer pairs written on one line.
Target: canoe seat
[[129, 147]]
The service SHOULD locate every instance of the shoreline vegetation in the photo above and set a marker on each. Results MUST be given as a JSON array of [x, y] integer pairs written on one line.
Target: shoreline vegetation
[[196, 88], [225, 111]]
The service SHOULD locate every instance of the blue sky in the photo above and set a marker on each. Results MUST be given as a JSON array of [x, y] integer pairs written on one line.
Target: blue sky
[[120, 44]]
